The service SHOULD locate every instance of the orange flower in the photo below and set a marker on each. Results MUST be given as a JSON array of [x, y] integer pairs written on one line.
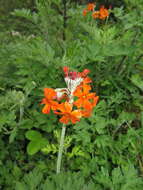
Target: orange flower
[[103, 13], [84, 73], [86, 81], [96, 14], [87, 113], [84, 12], [50, 104], [95, 100], [90, 6], [68, 114], [84, 96]]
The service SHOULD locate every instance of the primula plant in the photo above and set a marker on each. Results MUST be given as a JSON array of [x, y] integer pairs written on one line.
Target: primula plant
[[71, 103]]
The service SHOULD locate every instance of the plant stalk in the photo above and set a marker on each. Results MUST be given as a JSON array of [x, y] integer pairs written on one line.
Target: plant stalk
[[61, 149]]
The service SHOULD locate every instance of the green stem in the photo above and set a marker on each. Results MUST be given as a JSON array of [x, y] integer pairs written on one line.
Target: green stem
[[61, 149]]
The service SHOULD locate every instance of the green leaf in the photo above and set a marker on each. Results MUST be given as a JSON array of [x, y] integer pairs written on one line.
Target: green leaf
[[20, 186], [49, 148], [33, 135], [100, 124], [35, 145], [25, 13], [125, 117], [43, 142], [13, 135], [137, 81]]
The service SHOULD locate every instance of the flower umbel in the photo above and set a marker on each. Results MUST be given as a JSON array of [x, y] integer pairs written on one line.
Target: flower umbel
[[84, 12], [103, 12], [77, 87], [91, 6], [96, 14]]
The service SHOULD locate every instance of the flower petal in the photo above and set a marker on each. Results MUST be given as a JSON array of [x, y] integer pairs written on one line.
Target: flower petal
[[79, 102], [74, 120], [87, 80], [86, 89], [64, 119], [95, 100], [46, 109], [44, 101], [86, 113], [68, 107], [87, 105], [49, 93], [90, 95], [65, 107], [78, 92], [54, 105], [76, 113]]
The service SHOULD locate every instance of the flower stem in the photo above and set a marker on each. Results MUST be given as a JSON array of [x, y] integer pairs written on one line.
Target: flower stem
[[61, 148]]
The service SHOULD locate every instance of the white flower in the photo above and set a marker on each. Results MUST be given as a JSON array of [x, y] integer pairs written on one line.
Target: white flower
[[73, 83]]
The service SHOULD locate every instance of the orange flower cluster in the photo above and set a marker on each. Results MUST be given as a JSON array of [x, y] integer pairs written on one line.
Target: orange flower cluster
[[79, 100], [102, 13]]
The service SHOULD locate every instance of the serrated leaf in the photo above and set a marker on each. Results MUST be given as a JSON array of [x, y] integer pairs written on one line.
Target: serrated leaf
[[25, 13], [125, 117], [43, 142], [20, 186], [137, 81], [100, 124]]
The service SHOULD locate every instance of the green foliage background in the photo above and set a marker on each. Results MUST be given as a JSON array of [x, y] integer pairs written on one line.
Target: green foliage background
[[104, 151]]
